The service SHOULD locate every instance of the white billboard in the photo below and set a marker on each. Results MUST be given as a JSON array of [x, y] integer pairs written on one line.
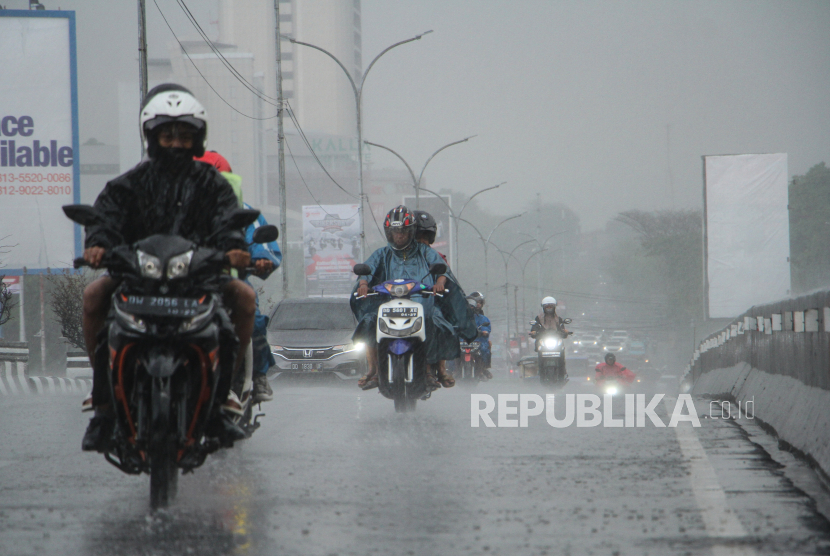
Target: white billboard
[[39, 170], [746, 231], [331, 245]]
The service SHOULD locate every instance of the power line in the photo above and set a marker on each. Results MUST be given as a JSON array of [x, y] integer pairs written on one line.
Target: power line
[[224, 60], [202, 75]]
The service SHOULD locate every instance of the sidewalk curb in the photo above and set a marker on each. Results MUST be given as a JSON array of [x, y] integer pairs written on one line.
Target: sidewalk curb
[[16, 383]]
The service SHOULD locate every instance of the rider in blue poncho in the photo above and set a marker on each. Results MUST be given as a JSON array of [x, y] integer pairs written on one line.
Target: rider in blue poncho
[[404, 258]]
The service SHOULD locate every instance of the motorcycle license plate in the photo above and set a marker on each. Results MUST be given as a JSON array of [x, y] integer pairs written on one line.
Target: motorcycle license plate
[[400, 312], [162, 306], [551, 354], [312, 367]]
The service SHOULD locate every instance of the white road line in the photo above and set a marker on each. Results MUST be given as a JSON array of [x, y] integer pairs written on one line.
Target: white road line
[[720, 521]]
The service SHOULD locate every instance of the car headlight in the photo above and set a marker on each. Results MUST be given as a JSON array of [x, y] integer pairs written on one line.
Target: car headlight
[[150, 265], [129, 320], [179, 265]]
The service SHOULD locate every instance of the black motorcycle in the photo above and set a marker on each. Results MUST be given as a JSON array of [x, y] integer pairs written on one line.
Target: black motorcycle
[[468, 366], [168, 351], [550, 353]]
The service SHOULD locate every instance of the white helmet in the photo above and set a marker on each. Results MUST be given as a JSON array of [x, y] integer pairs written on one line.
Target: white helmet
[[173, 103], [548, 301]]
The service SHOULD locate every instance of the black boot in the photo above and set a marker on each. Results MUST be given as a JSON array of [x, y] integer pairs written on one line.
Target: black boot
[[99, 432], [225, 430]]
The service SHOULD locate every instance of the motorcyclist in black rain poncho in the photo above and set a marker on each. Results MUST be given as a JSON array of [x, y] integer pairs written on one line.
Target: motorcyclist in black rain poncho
[[447, 317]]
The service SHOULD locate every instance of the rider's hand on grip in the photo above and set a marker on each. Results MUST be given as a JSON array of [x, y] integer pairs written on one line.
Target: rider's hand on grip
[[93, 256], [238, 258], [362, 289]]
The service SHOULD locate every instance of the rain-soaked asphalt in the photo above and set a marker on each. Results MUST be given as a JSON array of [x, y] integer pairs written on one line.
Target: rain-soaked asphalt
[[335, 471]]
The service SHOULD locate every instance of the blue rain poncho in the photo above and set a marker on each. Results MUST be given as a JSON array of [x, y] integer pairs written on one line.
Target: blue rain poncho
[[447, 317]]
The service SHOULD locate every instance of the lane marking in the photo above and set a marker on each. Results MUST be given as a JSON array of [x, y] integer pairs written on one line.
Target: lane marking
[[719, 520]]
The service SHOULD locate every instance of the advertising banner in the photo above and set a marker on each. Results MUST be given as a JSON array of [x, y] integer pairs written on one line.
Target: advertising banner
[[746, 232], [331, 247], [39, 170], [439, 211]]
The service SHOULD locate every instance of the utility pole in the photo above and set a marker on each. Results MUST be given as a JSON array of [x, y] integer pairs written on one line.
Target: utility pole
[[516, 315], [539, 260], [142, 50], [281, 142]]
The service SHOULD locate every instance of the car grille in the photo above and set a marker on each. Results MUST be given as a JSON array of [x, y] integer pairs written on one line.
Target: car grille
[[308, 354]]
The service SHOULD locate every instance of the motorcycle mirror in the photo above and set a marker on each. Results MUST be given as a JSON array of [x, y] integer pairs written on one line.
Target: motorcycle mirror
[[266, 234], [242, 218], [85, 215], [362, 269], [438, 268], [567, 321]]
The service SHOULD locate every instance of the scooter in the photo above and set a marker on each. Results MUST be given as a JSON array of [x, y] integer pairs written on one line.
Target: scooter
[[550, 353], [467, 365], [401, 334]]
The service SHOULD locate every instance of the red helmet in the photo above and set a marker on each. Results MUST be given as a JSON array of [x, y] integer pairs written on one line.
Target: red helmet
[[399, 219], [216, 160]]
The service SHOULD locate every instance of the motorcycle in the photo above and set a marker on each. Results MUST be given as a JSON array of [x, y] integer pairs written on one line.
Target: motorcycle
[[550, 353], [166, 343], [401, 334], [468, 365], [612, 387]]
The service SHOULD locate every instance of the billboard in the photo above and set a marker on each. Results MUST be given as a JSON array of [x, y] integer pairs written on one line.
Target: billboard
[[746, 232], [331, 246], [39, 170], [439, 210]]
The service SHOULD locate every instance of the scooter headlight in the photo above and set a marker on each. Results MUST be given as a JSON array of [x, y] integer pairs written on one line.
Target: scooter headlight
[[150, 265], [179, 265], [551, 343], [382, 326], [416, 326]]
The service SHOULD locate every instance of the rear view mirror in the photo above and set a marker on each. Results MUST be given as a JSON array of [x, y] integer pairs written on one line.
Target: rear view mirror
[[266, 234], [85, 215], [567, 321], [438, 268], [362, 269], [242, 218]]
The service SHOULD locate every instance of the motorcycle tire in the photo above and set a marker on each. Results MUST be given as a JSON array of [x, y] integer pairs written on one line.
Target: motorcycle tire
[[164, 473], [403, 404]]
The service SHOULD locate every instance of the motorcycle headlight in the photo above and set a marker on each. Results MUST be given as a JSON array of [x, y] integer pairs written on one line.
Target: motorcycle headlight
[[416, 326], [551, 343], [179, 265], [611, 390], [150, 265], [382, 326], [129, 320]]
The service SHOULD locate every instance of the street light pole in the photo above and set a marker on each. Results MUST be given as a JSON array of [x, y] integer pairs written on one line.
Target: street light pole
[[358, 99], [417, 182], [456, 217]]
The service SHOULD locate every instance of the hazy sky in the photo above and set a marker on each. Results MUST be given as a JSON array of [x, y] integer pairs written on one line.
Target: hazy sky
[[605, 106]]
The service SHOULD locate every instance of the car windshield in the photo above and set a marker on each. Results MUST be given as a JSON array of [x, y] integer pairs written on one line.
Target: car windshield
[[312, 316]]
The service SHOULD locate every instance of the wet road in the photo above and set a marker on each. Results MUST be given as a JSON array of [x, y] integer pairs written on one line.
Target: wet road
[[336, 471]]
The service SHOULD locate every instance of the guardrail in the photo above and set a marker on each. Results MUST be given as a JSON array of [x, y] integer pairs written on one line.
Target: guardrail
[[777, 356], [14, 357]]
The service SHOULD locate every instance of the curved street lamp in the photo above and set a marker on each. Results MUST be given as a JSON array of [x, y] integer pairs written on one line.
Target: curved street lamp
[[358, 99], [486, 242], [456, 217], [416, 182]]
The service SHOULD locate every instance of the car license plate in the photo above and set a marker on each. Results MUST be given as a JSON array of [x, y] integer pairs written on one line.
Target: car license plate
[[400, 312], [312, 367], [162, 306]]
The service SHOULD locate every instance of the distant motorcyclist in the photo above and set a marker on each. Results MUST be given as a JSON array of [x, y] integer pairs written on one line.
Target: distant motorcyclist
[[484, 329], [167, 193], [405, 258], [611, 370], [548, 320]]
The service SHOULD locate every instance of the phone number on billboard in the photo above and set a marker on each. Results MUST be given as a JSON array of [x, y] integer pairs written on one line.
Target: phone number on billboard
[[35, 178], [35, 189]]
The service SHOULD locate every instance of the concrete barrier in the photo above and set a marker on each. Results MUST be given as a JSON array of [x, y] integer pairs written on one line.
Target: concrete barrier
[[778, 356], [14, 357]]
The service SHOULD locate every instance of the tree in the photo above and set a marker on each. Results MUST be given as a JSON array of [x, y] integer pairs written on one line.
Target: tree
[[6, 304], [67, 303], [674, 239], [809, 199]]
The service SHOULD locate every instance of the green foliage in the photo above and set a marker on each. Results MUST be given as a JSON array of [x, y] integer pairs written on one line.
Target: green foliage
[[810, 229], [673, 239]]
